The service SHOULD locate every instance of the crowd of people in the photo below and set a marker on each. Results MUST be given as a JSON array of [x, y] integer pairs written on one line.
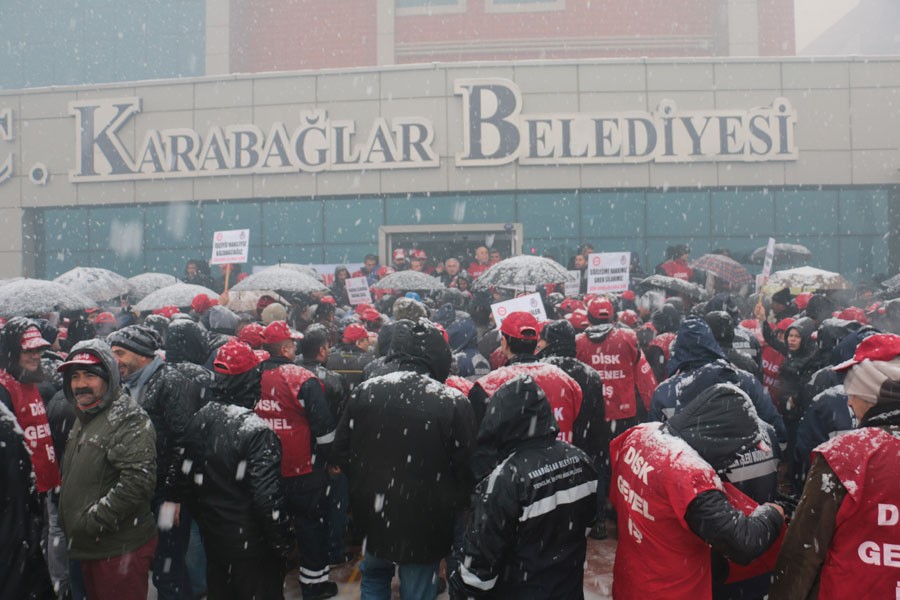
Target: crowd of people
[[741, 447]]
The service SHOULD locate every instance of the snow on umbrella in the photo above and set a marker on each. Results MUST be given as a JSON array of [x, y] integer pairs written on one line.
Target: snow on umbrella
[[37, 296], [520, 271], [179, 294], [892, 283], [783, 252], [807, 279], [144, 284], [282, 280], [247, 301], [305, 269], [95, 283], [725, 268], [675, 285], [409, 281]]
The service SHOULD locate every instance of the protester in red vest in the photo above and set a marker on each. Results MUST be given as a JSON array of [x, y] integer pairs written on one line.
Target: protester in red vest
[[481, 262], [771, 364], [293, 404], [677, 265], [672, 505], [21, 346], [843, 541]]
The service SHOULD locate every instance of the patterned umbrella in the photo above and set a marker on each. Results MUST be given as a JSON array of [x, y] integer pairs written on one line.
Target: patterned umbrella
[[807, 279], [726, 269]]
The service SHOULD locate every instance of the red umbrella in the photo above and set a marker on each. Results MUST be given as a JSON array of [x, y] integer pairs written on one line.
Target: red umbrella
[[724, 268]]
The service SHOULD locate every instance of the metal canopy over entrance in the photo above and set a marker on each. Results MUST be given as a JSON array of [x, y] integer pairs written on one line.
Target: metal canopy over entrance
[[443, 241]]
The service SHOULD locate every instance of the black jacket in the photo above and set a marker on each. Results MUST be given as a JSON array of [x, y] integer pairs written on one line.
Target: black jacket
[[23, 572], [526, 534], [231, 478], [337, 392], [349, 362]]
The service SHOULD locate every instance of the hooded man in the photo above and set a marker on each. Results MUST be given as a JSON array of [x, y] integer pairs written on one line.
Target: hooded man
[[842, 542], [526, 534], [673, 506], [405, 441], [231, 479], [109, 478], [170, 400], [614, 352]]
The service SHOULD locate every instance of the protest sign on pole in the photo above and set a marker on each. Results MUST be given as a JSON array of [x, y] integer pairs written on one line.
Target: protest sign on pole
[[608, 272], [230, 247], [531, 303], [573, 284], [358, 291], [770, 257]]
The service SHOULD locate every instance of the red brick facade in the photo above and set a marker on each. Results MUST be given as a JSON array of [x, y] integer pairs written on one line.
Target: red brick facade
[[271, 35]]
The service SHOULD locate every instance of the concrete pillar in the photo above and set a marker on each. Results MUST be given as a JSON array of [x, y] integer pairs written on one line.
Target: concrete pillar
[[743, 28], [385, 32], [218, 37]]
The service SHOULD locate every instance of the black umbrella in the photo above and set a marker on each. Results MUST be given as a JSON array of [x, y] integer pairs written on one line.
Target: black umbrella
[[409, 281], [180, 294], [521, 271], [783, 252], [284, 280], [673, 284]]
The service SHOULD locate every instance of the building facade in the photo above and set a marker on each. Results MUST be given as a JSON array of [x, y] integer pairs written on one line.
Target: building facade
[[326, 166]]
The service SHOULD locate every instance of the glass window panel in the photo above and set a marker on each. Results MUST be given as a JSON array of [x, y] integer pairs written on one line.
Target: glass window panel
[[291, 254], [805, 212], [346, 253], [611, 214], [66, 228], [169, 225], [226, 216], [497, 208], [742, 212], [348, 221], [297, 222], [682, 214], [549, 215], [864, 211], [863, 257]]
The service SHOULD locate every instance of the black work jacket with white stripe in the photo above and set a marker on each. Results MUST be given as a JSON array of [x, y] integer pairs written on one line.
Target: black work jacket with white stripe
[[530, 516]]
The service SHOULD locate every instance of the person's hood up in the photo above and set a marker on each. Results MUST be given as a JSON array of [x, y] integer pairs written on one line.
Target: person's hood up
[[463, 334], [598, 333], [805, 327], [724, 302], [719, 424], [819, 307], [223, 320], [666, 320], [242, 390], [722, 326], [445, 315], [560, 338], [101, 350], [517, 413], [186, 342], [845, 350], [832, 331], [420, 347], [694, 346]]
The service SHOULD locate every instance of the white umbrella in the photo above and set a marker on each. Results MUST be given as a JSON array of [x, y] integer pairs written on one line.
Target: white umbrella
[[807, 279], [409, 281], [282, 280], [145, 283], [36, 296], [180, 294], [95, 283], [305, 269]]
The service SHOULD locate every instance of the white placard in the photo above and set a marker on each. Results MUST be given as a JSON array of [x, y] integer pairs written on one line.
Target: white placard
[[358, 291], [573, 284], [230, 247], [531, 303], [770, 257], [608, 272]]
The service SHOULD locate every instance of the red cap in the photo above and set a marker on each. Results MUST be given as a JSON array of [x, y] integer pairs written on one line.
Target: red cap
[[370, 315], [878, 347], [252, 334], [384, 271], [458, 383], [570, 304], [629, 318], [278, 331], [105, 317], [82, 358], [32, 339], [362, 307], [522, 325], [801, 300], [418, 254], [202, 303], [578, 319], [853, 313], [166, 311], [264, 301], [399, 253], [327, 300], [628, 295], [783, 324], [600, 308], [353, 333], [235, 357], [750, 324]]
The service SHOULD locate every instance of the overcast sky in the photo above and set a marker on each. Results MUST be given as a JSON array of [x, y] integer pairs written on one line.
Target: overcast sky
[[812, 17]]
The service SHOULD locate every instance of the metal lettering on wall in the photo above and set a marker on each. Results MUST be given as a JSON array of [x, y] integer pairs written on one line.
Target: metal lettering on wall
[[495, 128]]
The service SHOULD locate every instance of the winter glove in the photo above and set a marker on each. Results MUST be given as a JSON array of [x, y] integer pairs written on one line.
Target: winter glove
[[788, 503]]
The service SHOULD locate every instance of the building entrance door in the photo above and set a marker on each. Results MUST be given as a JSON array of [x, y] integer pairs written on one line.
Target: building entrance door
[[443, 241]]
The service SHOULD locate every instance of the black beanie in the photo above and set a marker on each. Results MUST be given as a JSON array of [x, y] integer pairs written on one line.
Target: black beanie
[[140, 339]]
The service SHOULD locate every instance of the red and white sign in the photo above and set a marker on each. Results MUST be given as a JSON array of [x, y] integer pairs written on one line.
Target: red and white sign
[[230, 247], [531, 303], [608, 272], [358, 291]]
